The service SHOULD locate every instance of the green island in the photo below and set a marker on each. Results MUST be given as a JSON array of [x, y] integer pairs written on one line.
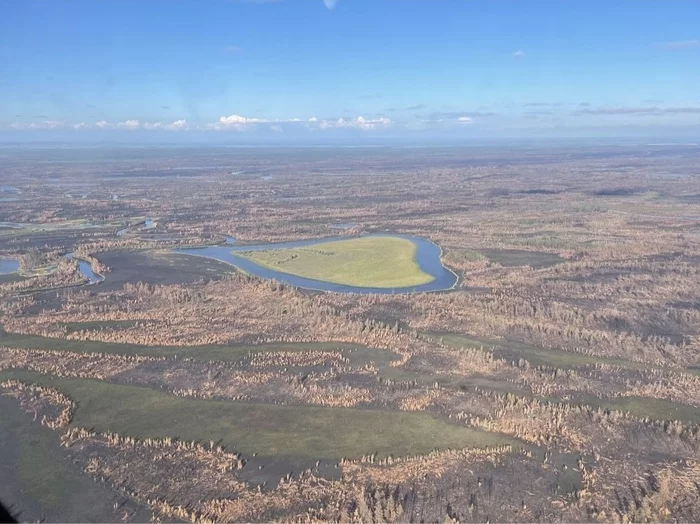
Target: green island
[[376, 261]]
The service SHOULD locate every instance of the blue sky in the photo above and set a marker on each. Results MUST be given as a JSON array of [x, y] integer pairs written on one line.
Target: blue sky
[[370, 68]]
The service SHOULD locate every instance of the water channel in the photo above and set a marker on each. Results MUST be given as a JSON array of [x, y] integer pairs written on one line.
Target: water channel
[[427, 257]]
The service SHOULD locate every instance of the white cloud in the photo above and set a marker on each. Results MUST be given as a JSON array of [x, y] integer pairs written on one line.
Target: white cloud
[[645, 110], [236, 122], [239, 123], [44, 124], [330, 4], [233, 50], [519, 53], [461, 117], [231, 122], [178, 125], [129, 124], [358, 123]]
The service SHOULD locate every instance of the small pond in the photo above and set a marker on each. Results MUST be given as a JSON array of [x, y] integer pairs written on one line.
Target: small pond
[[8, 266]]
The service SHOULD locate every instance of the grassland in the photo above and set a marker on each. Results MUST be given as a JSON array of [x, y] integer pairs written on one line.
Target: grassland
[[26, 228], [505, 257], [537, 356], [653, 408], [376, 261], [357, 354], [39, 482], [266, 429], [582, 262], [512, 350]]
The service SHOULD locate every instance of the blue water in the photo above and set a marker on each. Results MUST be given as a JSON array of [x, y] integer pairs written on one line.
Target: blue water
[[8, 266], [427, 256], [145, 226], [86, 270]]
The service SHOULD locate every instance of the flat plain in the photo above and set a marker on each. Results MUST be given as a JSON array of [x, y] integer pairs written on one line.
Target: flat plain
[[557, 381], [376, 261]]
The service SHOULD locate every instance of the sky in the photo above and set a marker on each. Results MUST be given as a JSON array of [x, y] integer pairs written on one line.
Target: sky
[[355, 70]]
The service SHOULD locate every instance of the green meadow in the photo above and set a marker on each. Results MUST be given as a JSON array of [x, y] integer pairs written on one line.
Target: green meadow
[[304, 432], [376, 261]]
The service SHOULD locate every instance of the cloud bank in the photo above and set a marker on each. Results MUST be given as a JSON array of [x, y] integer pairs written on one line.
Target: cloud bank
[[225, 123], [648, 110]]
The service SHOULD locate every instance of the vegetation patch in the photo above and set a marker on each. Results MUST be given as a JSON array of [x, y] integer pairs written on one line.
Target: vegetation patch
[[653, 408], [504, 257], [519, 257], [266, 429], [536, 356], [376, 261], [17, 229], [357, 354], [39, 482]]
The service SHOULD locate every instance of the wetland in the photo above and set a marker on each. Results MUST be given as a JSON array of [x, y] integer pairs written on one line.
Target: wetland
[[372, 334]]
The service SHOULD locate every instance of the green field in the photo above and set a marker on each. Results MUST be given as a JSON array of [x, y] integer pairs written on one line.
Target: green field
[[512, 350], [27, 228], [376, 261], [358, 354], [303, 432], [654, 408], [505, 257], [39, 482]]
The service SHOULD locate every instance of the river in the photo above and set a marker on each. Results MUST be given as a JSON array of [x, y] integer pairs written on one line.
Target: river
[[85, 269], [427, 256], [143, 226]]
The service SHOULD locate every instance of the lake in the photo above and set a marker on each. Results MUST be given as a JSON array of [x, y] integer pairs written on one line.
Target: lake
[[8, 266], [427, 256]]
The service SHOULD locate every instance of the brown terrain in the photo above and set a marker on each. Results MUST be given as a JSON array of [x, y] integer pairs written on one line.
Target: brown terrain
[[558, 381]]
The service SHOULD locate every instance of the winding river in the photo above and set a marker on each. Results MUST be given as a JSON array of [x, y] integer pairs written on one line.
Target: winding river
[[9, 266], [427, 256], [142, 226], [85, 269]]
